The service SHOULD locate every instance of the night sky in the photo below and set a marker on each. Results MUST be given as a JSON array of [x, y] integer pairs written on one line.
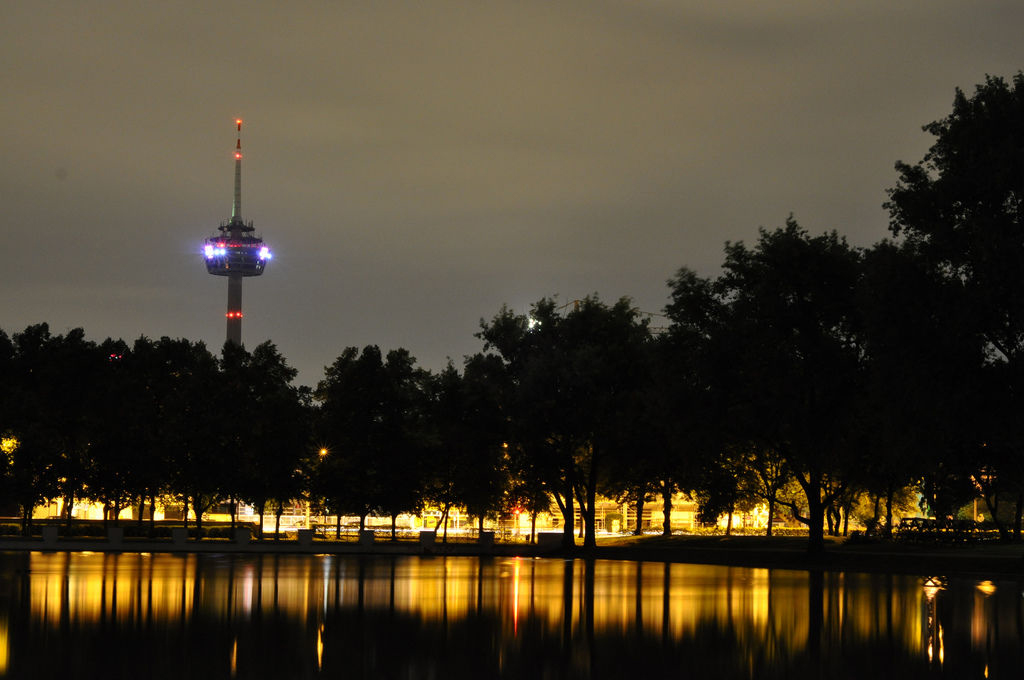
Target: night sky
[[415, 165]]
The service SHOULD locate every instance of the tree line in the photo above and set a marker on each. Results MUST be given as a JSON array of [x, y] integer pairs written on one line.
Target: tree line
[[809, 375]]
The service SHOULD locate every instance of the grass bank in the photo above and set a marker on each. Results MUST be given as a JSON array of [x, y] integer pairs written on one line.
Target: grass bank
[[984, 560]]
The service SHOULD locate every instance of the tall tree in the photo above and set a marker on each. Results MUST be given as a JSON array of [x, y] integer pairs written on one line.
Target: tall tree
[[962, 208], [267, 433], [574, 373], [788, 361], [47, 416], [466, 460], [114, 432], [191, 433], [372, 420], [921, 361]]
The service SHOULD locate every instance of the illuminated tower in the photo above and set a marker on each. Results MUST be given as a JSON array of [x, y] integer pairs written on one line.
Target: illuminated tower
[[236, 252]]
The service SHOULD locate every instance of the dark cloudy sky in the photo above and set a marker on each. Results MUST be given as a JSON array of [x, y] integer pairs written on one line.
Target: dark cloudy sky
[[415, 165]]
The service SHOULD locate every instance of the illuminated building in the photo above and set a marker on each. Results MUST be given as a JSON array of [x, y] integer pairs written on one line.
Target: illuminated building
[[236, 252]]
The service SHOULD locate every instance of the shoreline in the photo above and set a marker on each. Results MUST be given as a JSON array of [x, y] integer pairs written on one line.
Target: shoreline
[[981, 561]]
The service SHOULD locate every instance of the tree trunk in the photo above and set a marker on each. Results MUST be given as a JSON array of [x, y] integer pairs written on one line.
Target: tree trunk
[[199, 517], [590, 508], [992, 502], [278, 511], [142, 510], [728, 524], [565, 504], [337, 528], [69, 507], [442, 522], [815, 517], [666, 507], [362, 522], [394, 526], [234, 514], [877, 516], [638, 530], [771, 515], [262, 507], [846, 518], [533, 527], [1017, 512], [152, 515], [888, 512], [480, 525]]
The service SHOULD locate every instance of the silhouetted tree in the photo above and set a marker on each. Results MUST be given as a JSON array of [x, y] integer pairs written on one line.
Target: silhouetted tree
[[268, 432], [192, 431], [962, 209], [372, 418], [788, 356], [921, 361], [573, 374], [466, 459], [41, 399]]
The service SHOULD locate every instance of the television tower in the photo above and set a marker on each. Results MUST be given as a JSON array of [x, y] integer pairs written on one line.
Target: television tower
[[236, 252]]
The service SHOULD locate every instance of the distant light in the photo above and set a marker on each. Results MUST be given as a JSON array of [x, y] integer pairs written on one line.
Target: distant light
[[265, 253], [208, 251], [238, 156]]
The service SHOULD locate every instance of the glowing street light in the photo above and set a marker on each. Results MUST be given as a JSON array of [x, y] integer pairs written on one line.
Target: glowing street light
[[9, 444]]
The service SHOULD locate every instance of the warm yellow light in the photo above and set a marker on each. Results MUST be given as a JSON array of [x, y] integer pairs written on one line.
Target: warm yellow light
[[9, 444], [320, 644], [987, 587], [5, 647], [323, 452], [932, 585]]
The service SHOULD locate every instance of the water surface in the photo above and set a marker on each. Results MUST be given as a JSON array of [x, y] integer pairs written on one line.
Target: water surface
[[85, 615]]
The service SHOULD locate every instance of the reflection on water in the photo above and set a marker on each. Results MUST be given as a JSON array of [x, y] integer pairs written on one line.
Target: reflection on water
[[176, 616]]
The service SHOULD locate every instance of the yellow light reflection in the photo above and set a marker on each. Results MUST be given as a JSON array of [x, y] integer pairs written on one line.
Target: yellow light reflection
[[320, 647], [942, 646], [5, 646], [515, 598], [670, 600]]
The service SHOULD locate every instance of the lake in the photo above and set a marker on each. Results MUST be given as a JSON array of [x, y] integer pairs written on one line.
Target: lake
[[85, 615]]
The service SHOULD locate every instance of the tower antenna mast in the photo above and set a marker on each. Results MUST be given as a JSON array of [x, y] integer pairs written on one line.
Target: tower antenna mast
[[236, 207]]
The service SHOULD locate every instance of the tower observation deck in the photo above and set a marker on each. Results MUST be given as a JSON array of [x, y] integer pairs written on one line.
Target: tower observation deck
[[236, 252]]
